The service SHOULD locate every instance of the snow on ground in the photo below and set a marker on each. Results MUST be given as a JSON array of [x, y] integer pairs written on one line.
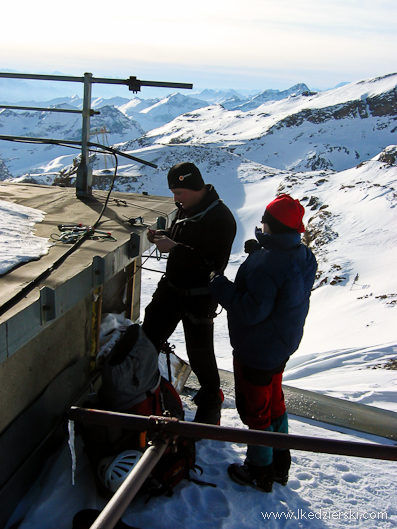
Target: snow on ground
[[17, 241], [324, 491], [349, 339]]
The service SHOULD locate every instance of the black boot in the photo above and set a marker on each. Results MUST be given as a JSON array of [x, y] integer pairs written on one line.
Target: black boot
[[209, 406], [282, 463], [260, 478]]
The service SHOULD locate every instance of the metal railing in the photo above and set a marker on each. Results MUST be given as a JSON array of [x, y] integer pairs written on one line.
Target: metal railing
[[84, 172], [166, 429]]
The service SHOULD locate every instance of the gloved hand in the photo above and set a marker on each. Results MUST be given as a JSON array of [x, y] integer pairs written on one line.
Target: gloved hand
[[250, 245], [151, 234], [215, 273]]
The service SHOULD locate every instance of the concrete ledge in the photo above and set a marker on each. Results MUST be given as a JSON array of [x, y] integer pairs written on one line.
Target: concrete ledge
[[329, 410], [340, 412]]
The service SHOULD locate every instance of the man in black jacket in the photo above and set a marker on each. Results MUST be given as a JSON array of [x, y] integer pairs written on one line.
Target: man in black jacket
[[199, 241]]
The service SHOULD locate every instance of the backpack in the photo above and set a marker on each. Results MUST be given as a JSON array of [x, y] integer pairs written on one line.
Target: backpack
[[132, 383]]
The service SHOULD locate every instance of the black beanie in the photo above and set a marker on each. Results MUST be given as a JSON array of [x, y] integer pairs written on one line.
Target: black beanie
[[185, 175]]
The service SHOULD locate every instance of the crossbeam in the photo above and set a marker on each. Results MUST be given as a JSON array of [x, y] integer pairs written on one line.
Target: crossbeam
[[84, 172], [171, 427]]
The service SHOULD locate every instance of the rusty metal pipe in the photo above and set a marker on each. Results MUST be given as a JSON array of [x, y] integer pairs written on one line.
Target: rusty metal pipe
[[119, 502], [171, 427]]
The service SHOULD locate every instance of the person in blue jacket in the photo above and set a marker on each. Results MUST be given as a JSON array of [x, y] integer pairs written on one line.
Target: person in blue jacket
[[266, 307]]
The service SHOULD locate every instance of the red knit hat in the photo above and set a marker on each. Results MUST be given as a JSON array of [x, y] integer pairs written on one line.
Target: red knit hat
[[287, 211]]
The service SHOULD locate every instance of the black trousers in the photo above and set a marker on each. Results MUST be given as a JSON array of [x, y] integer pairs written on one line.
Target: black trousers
[[168, 307]]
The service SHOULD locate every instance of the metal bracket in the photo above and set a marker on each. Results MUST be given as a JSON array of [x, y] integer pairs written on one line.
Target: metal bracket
[[47, 305], [98, 271], [133, 84], [134, 246]]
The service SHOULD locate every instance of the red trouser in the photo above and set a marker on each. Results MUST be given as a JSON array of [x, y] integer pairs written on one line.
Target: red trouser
[[259, 405]]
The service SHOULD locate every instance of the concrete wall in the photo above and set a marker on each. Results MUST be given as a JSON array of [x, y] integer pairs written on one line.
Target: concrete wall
[[26, 374]]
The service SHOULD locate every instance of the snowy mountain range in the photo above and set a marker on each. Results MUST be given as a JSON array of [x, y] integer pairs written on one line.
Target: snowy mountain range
[[267, 96], [331, 149], [328, 130], [296, 130]]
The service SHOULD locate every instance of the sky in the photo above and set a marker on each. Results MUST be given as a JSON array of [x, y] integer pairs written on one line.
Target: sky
[[252, 45]]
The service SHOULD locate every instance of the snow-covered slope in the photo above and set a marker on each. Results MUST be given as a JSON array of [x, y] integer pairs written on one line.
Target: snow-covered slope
[[162, 111], [304, 130], [22, 158], [268, 96], [327, 130]]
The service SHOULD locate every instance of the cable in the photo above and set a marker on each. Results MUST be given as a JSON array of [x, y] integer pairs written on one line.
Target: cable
[[76, 144], [61, 143], [109, 192], [133, 204]]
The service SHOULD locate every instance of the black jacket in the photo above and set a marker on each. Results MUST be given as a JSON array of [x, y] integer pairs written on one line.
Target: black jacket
[[205, 236]]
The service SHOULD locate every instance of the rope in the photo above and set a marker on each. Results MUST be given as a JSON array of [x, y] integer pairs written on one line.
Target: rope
[[199, 216], [71, 236]]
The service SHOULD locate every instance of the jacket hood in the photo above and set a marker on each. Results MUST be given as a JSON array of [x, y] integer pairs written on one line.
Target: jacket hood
[[281, 240]]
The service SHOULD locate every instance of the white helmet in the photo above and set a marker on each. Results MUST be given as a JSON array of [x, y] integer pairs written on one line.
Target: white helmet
[[113, 470]]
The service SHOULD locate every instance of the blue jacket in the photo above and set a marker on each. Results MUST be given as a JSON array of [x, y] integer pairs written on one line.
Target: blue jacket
[[268, 303]]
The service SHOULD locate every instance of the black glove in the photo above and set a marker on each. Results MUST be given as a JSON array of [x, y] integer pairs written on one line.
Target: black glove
[[215, 273], [250, 245]]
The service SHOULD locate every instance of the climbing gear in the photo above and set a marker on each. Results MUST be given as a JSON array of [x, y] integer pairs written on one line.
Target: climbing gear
[[112, 471], [131, 383], [200, 215], [71, 233]]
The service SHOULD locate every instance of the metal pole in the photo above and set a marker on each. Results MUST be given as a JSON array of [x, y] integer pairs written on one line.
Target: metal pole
[[116, 507], [27, 139], [133, 83], [42, 77], [234, 435], [44, 109], [84, 172]]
